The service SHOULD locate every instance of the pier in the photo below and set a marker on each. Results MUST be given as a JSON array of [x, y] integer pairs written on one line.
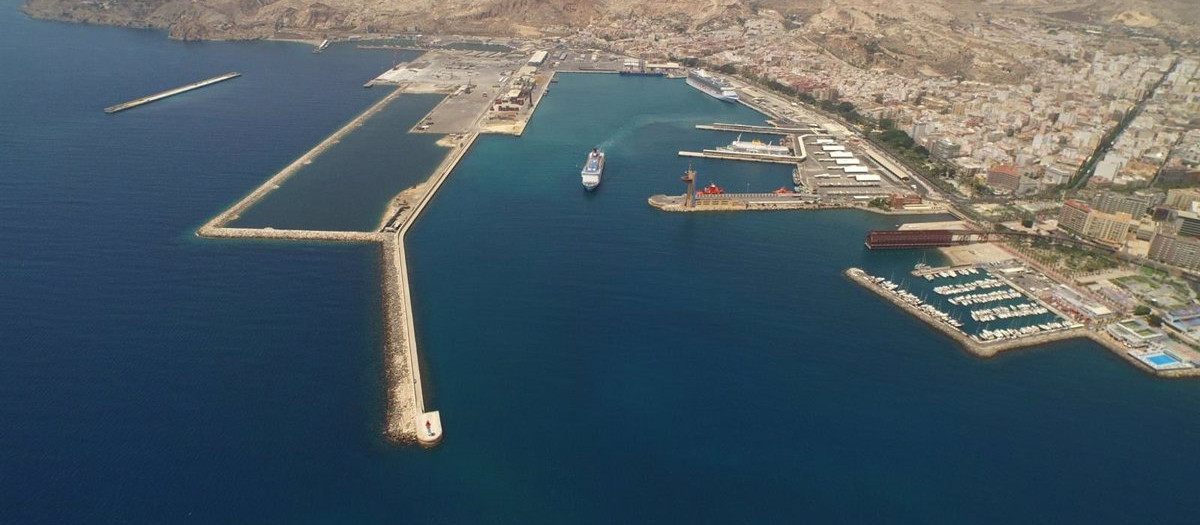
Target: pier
[[766, 130], [170, 93], [750, 157]]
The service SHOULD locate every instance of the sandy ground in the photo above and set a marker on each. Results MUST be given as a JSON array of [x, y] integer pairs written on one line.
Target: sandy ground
[[981, 253], [943, 225]]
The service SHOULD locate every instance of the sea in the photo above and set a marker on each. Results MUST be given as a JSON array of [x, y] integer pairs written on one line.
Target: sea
[[594, 360]]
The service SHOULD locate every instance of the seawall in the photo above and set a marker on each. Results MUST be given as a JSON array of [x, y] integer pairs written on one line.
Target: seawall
[[407, 415]]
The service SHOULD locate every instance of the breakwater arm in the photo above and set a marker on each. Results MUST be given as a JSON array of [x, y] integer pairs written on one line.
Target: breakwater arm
[[170, 93]]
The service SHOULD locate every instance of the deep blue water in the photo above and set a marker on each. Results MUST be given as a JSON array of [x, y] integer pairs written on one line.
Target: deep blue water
[[349, 185], [595, 361]]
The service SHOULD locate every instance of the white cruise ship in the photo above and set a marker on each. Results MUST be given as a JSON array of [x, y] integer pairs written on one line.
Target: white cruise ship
[[713, 86]]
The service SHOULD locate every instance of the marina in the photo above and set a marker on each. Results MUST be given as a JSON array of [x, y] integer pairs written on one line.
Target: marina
[[985, 342], [1026, 320], [170, 93]]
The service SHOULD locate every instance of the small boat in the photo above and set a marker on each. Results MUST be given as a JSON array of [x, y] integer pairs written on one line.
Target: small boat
[[711, 189]]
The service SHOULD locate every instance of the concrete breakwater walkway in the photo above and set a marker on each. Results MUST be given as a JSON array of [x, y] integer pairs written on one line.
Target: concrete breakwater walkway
[[766, 202], [407, 416], [991, 348], [407, 419]]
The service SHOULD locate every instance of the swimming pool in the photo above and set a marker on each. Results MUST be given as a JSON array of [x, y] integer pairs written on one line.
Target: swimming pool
[[1161, 359]]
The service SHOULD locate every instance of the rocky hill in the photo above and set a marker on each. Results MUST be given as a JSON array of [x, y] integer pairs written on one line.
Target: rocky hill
[[250, 19]]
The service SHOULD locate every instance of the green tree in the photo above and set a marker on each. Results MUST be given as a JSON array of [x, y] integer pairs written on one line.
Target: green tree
[[1141, 310]]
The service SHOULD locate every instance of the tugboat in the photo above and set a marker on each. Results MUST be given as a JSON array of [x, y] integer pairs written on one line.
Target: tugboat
[[711, 189]]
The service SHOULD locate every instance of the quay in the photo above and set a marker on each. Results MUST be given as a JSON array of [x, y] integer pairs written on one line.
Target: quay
[[751, 157], [741, 202], [922, 272], [766, 130], [170, 93]]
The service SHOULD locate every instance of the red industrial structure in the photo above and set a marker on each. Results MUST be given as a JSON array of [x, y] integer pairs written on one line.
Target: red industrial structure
[[918, 239], [909, 239]]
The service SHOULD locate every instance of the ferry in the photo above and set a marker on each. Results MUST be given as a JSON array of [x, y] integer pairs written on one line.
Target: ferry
[[712, 86], [593, 169], [757, 147]]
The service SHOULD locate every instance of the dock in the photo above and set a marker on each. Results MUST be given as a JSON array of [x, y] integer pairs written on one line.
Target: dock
[[170, 93], [767, 130], [752, 157]]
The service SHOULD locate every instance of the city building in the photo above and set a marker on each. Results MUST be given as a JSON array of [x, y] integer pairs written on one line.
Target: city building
[[1135, 205], [1185, 321], [945, 149], [1187, 223], [1175, 250], [538, 58], [1136, 332], [1106, 228], [1182, 198], [1004, 178], [920, 130]]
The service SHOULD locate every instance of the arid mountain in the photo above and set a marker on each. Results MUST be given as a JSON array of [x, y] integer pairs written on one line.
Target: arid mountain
[[247, 19]]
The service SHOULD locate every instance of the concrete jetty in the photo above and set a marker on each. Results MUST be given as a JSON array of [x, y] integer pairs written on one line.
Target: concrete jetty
[[170, 93], [766, 130], [768, 202], [749, 157]]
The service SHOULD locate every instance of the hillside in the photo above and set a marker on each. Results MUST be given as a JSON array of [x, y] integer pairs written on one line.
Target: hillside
[[249, 19]]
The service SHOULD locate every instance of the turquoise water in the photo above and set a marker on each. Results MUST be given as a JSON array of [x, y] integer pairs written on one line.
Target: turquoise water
[[1162, 359], [595, 361]]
